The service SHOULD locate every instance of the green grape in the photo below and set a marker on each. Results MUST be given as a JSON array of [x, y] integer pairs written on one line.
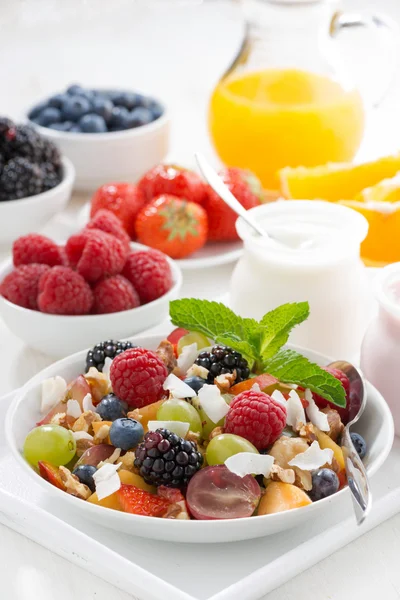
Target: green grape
[[193, 338], [225, 445], [180, 410], [50, 443]]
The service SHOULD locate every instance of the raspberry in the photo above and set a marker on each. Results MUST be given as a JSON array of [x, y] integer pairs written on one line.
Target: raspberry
[[64, 292], [344, 380], [149, 273], [96, 254], [256, 417], [21, 286], [106, 221], [35, 248], [113, 295], [137, 377]]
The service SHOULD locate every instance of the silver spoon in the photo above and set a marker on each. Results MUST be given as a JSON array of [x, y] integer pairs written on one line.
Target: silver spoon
[[357, 477]]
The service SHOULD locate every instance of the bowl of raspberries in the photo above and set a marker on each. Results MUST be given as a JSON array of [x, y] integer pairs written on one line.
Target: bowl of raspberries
[[35, 179], [107, 134], [58, 298]]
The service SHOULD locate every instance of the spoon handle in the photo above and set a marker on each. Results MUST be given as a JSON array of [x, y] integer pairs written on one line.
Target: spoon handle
[[357, 478], [219, 187]]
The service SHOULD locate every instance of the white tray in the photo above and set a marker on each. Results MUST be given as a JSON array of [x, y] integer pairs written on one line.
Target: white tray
[[160, 571]]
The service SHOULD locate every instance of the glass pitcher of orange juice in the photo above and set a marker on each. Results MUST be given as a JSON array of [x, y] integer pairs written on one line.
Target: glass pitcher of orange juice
[[287, 100]]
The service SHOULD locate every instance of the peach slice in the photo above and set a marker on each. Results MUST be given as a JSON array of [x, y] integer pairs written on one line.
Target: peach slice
[[279, 497]]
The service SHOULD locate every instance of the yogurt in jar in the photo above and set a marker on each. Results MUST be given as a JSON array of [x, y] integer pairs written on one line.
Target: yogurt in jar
[[313, 255]]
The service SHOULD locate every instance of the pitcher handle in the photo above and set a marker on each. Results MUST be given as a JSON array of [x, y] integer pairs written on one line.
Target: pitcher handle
[[373, 22]]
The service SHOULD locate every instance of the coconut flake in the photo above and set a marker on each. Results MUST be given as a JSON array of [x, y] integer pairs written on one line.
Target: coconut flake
[[313, 458], [317, 418], [213, 403], [73, 409], [87, 403], [107, 367], [255, 387], [82, 435], [178, 388], [295, 416], [248, 463], [279, 397], [106, 480], [187, 357], [53, 391], [179, 427]]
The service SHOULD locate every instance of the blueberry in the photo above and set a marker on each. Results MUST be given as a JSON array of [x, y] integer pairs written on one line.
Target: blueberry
[[103, 107], [37, 109], [49, 115], [74, 89], [75, 128], [359, 443], [196, 383], [139, 116], [325, 482], [85, 475], [111, 408], [63, 126], [75, 107], [157, 109], [57, 101], [126, 99], [92, 123], [126, 433], [119, 118]]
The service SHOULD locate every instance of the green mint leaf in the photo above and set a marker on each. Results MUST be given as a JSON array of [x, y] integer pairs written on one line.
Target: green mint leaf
[[290, 367], [276, 326], [215, 320]]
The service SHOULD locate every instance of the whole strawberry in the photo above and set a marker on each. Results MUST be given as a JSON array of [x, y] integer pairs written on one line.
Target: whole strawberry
[[174, 226], [221, 219], [171, 179], [137, 376], [123, 199], [256, 417]]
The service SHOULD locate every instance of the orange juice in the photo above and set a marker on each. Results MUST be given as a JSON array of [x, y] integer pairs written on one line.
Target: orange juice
[[270, 119]]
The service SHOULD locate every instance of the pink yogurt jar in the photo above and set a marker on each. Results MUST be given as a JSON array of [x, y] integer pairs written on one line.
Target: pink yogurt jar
[[380, 351]]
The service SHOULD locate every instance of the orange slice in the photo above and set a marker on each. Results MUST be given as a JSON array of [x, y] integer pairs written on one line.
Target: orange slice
[[387, 190], [336, 181]]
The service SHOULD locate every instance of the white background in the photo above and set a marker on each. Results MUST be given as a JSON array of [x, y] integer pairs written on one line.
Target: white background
[[178, 53]]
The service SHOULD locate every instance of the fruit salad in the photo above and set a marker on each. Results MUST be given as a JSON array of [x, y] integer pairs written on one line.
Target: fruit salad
[[220, 421]]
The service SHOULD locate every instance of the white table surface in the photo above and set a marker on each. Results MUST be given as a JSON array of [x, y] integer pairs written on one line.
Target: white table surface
[[179, 54]]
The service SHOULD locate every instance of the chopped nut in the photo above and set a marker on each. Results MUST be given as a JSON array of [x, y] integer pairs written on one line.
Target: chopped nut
[[82, 446], [225, 381], [127, 461], [165, 352], [135, 414], [101, 434], [308, 432], [177, 510], [111, 459], [335, 423], [303, 479], [191, 436], [73, 485], [59, 419], [98, 381], [284, 450], [216, 431], [84, 422], [197, 371], [284, 475]]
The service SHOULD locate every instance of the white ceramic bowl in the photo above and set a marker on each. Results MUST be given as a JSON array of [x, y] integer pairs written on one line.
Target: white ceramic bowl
[[376, 425], [101, 158], [58, 335], [18, 217]]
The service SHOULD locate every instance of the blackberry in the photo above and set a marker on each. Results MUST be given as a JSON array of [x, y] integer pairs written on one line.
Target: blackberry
[[111, 348], [51, 176], [21, 178], [164, 458], [51, 153], [223, 359], [5, 125], [24, 142]]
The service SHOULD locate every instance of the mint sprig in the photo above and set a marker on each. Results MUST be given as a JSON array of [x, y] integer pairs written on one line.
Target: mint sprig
[[260, 342]]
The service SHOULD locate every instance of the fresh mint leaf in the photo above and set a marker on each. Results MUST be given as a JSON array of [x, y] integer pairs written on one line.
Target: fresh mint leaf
[[277, 324], [242, 346], [290, 367]]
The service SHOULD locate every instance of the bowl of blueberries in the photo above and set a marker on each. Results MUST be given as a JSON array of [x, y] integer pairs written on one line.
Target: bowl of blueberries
[[107, 134]]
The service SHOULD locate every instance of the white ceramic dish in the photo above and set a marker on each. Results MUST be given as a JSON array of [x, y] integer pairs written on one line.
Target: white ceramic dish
[[213, 254], [22, 216], [58, 335], [376, 426], [114, 156]]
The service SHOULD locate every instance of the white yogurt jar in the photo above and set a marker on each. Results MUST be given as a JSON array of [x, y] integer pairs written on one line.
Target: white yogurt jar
[[318, 260]]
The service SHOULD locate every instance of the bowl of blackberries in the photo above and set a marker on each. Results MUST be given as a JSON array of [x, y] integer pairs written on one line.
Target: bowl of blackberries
[[107, 134], [35, 179]]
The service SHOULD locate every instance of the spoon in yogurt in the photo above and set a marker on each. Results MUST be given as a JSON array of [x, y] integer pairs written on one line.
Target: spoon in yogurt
[[357, 477]]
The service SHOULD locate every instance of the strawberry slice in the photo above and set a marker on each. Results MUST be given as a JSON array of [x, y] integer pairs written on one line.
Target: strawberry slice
[[267, 384], [138, 502], [51, 474]]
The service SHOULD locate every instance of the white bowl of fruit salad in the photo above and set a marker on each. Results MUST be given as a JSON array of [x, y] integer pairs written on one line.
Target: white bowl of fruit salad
[[217, 433]]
